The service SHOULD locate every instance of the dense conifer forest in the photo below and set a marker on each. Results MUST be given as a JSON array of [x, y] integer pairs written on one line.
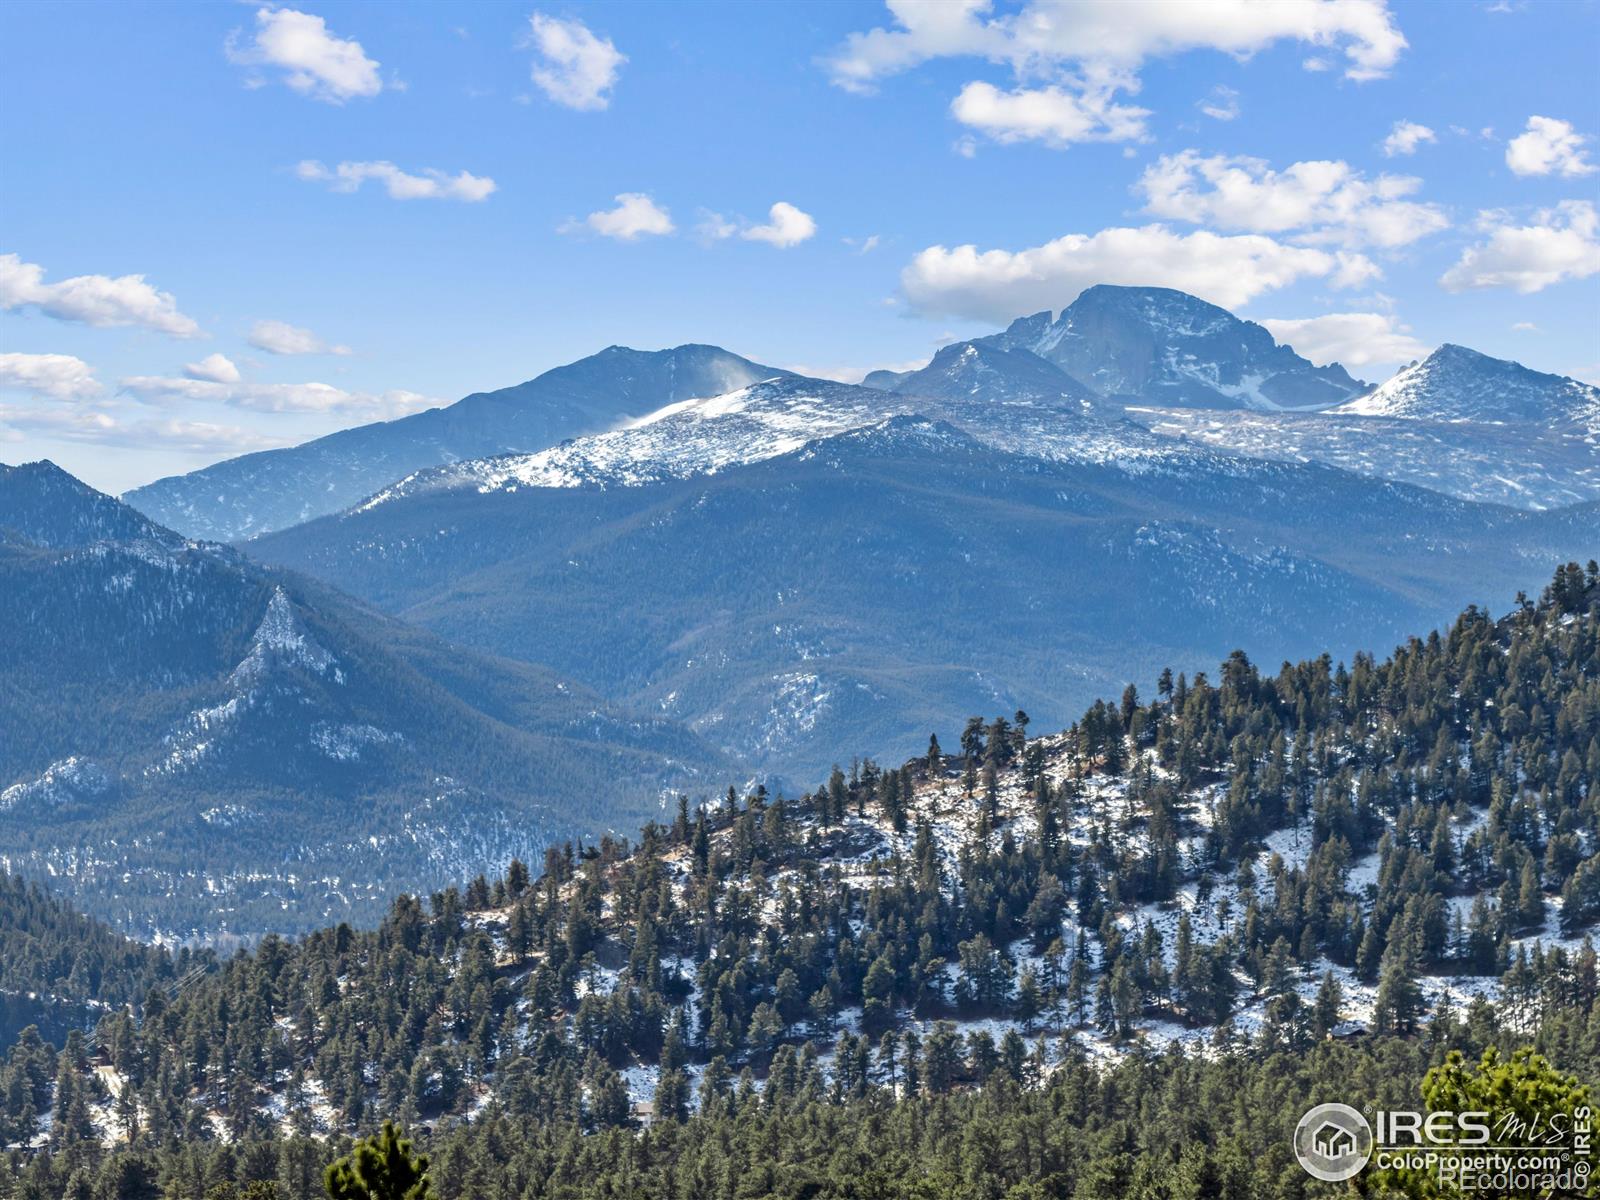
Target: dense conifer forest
[[1115, 961]]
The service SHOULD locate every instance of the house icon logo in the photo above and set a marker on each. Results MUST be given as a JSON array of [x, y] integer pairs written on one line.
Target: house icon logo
[[1333, 1142]]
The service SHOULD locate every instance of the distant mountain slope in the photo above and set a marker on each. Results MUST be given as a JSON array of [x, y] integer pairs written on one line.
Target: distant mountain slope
[[42, 505], [1523, 465], [61, 970], [1164, 347], [1459, 422], [168, 704], [273, 489], [1457, 384], [840, 594], [983, 371]]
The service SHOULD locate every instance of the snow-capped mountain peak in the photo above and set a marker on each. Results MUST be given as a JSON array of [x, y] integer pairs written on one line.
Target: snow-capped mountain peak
[[1165, 347], [1455, 383]]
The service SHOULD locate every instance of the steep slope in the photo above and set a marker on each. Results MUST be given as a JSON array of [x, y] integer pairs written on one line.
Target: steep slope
[[1164, 347], [273, 489], [841, 594], [168, 704], [1457, 384]]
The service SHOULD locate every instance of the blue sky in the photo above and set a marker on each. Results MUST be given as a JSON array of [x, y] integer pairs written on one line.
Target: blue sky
[[405, 203]]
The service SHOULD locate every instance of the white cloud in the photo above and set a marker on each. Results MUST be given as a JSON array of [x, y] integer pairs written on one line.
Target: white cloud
[[1043, 32], [786, 226], [1319, 201], [1354, 339], [96, 426], [274, 397], [577, 69], [1050, 115], [1221, 105], [713, 226], [98, 300], [279, 337], [59, 376], [1561, 244], [635, 216], [1405, 137], [864, 245], [1525, 327], [997, 285], [315, 62], [217, 368], [1549, 147], [430, 185], [1085, 51]]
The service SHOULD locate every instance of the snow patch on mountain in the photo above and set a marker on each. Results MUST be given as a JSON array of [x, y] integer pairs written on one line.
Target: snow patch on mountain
[[281, 640], [690, 437], [344, 743], [71, 778], [1524, 466]]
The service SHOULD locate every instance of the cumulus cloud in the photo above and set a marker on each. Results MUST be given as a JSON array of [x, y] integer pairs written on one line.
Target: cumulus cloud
[[430, 185], [313, 61], [1221, 105], [1088, 50], [1048, 31], [1318, 201], [217, 368], [636, 215], [1549, 147], [98, 300], [1354, 339], [997, 285], [58, 376], [1560, 244], [786, 226], [274, 397], [280, 337], [575, 68], [1405, 137], [1051, 115]]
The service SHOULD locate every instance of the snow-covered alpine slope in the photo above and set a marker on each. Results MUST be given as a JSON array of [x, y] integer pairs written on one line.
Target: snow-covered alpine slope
[[1457, 384]]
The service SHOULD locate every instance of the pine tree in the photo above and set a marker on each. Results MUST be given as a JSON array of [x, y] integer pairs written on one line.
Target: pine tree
[[381, 1167]]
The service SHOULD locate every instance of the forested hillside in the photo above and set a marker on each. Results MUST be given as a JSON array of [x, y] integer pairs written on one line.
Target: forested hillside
[[1116, 960], [60, 969], [194, 747]]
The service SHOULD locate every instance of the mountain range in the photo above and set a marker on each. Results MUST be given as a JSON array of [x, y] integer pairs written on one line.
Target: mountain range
[[437, 645], [273, 489], [1178, 366]]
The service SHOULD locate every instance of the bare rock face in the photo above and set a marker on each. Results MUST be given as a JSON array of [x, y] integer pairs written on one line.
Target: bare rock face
[[1164, 347]]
